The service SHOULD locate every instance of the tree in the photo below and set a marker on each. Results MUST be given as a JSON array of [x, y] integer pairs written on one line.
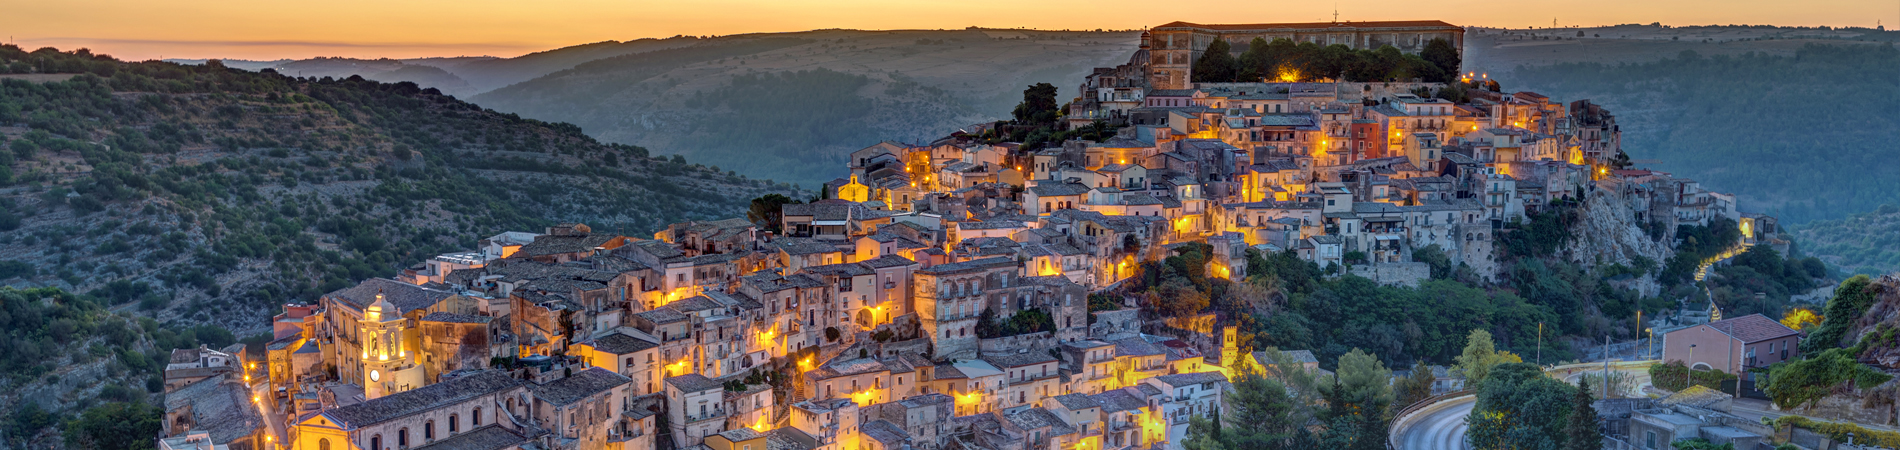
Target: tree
[[1850, 301], [1204, 433], [1039, 106], [1364, 379], [1261, 415], [1583, 432], [1480, 355], [1801, 383], [1520, 408], [1254, 64], [1415, 387], [1359, 391], [1441, 54], [768, 211], [1217, 64], [117, 425]]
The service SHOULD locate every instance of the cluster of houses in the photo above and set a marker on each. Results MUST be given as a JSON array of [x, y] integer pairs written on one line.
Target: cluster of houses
[[869, 320]]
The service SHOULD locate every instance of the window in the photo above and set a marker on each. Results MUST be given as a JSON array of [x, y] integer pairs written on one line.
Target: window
[[402, 438], [1649, 439], [376, 442], [323, 444], [476, 418], [453, 420]]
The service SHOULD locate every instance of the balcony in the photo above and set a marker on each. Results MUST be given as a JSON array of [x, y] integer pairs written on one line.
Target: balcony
[[708, 415]]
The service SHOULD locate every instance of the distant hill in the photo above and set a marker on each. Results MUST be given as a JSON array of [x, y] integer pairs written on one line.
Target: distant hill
[[789, 106], [1804, 134], [195, 189], [1859, 244]]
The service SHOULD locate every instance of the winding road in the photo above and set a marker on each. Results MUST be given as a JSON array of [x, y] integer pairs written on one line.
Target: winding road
[[1440, 426]]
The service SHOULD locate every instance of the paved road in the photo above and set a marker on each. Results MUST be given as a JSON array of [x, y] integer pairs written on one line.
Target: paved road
[[1438, 427]]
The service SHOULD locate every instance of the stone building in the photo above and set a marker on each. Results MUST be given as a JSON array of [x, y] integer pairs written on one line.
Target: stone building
[[949, 298], [483, 406], [582, 410]]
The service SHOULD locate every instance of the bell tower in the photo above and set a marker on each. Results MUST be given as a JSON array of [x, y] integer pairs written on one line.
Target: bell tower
[[386, 364], [1229, 347]]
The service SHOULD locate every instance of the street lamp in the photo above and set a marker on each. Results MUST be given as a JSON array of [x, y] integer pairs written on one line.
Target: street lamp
[[1687, 375]]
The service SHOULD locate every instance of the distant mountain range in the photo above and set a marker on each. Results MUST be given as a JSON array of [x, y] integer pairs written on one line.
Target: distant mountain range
[[734, 102]]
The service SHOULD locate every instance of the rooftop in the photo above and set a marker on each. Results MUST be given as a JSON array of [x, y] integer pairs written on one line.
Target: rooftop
[[578, 386], [426, 398]]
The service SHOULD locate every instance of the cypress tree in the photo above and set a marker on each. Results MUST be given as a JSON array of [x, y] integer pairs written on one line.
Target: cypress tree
[[1582, 432]]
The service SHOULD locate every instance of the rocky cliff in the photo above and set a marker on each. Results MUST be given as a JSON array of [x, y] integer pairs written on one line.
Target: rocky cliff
[[1607, 233]]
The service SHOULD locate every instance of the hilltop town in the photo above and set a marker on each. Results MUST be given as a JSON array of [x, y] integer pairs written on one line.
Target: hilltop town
[[973, 292]]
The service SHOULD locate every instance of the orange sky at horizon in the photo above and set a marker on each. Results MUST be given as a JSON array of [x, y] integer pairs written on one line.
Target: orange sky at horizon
[[237, 29]]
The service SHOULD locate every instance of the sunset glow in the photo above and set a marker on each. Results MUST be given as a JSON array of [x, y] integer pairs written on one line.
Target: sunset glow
[[419, 28]]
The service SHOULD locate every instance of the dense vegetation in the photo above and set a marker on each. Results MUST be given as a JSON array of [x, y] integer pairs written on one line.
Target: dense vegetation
[[1803, 137], [795, 125], [1867, 243], [1851, 300], [1273, 410], [166, 176], [1520, 407], [1828, 365], [747, 126], [1288, 303], [48, 334], [1284, 60], [203, 194]]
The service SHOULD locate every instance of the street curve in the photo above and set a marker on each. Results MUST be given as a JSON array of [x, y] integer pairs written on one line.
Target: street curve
[[1438, 427]]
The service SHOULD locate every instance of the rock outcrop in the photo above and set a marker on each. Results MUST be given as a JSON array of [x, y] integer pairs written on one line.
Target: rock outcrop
[[1608, 233]]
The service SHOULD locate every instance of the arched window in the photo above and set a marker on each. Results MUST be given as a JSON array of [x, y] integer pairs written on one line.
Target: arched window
[[376, 442], [453, 423], [402, 438], [323, 444], [475, 420], [428, 430]]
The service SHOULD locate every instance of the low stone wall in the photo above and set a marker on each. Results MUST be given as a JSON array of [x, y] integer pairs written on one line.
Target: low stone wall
[[1408, 274], [912, 347], [1118, 321], [1016, 344]]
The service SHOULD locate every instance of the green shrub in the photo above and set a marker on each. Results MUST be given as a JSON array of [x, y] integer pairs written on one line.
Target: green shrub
[[1670, 376]]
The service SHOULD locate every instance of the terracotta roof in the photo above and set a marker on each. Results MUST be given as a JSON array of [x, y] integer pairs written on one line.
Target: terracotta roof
[[1752, 328]]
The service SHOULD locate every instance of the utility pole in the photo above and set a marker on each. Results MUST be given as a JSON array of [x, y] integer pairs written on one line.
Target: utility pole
[[1540, 344], [1606, 365], [1688, 376], [1639, 332], [1737, 365]]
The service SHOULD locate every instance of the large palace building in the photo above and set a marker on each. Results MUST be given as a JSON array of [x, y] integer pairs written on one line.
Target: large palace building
[[1174, 47]]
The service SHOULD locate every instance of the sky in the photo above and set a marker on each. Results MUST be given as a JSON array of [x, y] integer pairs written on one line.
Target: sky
[[274, 29]]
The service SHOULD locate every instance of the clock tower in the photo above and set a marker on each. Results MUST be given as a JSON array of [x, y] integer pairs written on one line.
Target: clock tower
[[388, 368]]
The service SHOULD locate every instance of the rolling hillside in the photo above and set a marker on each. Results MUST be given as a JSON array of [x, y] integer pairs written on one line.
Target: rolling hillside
[[788, 106], [189, 189]]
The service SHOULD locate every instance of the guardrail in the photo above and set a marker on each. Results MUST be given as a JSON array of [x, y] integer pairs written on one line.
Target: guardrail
[[1397, 418]]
